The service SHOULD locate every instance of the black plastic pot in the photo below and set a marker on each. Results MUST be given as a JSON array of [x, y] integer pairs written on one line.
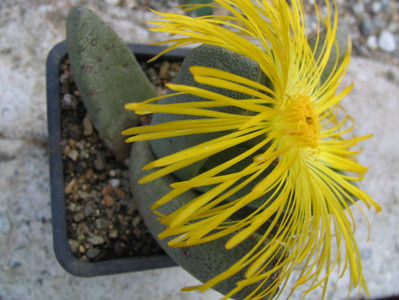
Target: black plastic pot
[[62, 249]]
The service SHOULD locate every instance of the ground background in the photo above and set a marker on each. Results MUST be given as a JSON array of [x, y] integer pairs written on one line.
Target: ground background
[[28, 268]]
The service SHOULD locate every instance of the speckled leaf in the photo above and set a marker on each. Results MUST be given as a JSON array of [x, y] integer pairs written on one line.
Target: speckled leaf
[[107, 75], [222, 59], [202, 261]]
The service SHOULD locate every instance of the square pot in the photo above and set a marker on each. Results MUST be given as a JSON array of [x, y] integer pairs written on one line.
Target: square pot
[[62, 250]]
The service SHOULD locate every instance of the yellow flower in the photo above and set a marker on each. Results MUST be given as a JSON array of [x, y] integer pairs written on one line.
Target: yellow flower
[[302, 159]]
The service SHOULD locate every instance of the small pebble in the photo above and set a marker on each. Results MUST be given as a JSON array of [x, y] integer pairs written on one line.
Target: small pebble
[[366, 27], [84, 154], [108, 200], [164, 70], [69, 100], [372, 42], [72, 143], [84, 195], [70, 186], [64, 78], [393, 26], [122, 220], [78, 217], [89, 174], [87, 126], [114, 182], [132, 4], [101, 223], [95, 240], [386, 7], [72, 206], [4, 224], [376, 7], [82, 228], [89, 208], [113, 234], [120, 193], [136, 221], [80, 145], [358, 9], [92, 252], [73, 154], [82, 249], [74, 244], [175, 66], [387, 41], [107, 190], [99, 164], [153, 76]]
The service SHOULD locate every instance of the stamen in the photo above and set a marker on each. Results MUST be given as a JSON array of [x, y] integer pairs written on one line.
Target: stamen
[[301, 122]]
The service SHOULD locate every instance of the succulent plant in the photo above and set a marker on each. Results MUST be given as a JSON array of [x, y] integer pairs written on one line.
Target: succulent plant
[[246, 171]]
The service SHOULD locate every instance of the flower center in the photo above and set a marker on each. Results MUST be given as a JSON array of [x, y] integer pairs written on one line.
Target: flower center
[[301, 122]]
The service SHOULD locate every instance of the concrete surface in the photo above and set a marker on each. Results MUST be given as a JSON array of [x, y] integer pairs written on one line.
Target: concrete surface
[[28, 268]]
